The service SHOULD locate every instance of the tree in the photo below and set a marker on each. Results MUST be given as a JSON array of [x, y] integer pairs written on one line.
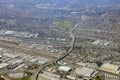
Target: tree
[[1, 78], [98, 78], [63, 24]]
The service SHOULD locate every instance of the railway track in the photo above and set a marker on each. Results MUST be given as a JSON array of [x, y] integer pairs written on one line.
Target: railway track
[[27, 50]]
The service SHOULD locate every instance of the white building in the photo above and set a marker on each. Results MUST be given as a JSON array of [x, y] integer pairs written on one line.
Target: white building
[[65, 68], [86, 73], [3, 65]]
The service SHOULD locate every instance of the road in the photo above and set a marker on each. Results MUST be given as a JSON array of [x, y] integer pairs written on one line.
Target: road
[[35, 75]]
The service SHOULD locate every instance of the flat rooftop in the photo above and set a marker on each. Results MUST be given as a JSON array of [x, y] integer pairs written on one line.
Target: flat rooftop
[[110, 68], [2, 65], [84, 71]]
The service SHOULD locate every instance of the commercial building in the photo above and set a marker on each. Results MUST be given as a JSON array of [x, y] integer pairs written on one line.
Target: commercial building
[[1, 56], [110, 71], [10, 55], [71, 77], [48, 76], [3, 65], [86, 73], [81, 64], [17, 75], [65, 68]]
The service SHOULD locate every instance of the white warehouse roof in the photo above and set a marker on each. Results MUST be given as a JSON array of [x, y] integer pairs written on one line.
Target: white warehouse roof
[[10, 55], [65, 68], [2, 65], [84, 71]]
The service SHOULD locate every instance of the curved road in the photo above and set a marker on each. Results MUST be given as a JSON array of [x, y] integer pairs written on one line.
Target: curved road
[[35, 75]]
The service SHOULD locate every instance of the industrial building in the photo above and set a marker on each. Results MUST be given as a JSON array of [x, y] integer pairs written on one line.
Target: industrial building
[[86, 73], [17, 75], [65, 68], [48, 76], [3, 65], [110, 71]]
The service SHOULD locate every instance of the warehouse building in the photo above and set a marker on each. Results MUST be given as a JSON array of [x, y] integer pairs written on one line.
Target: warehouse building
[[65, 68], [3, 65], [110, 71], [86, 73]]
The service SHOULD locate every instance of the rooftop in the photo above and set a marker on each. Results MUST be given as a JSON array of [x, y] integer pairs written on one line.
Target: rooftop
[[2, 65], [17, 75], [48, 76], [81, 64], [65, 68], [84, 71], [110, 68], [10, 55]]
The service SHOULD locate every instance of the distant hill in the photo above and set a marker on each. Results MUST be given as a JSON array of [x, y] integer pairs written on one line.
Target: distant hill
[[63, 2]]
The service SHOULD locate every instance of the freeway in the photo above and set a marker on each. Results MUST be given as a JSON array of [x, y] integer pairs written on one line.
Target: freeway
[[72, 44], [35, 75]]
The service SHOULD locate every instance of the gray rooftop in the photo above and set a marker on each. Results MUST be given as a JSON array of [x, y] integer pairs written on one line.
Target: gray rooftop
[[84, 71]]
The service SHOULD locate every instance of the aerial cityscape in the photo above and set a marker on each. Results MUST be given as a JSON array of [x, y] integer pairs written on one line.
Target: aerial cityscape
[[59, 39]]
